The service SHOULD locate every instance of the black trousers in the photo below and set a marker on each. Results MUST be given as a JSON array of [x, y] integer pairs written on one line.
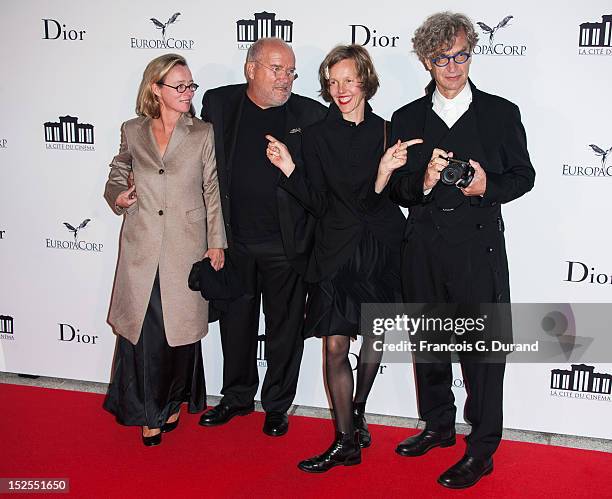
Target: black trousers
[[266, 273], [435, 271]]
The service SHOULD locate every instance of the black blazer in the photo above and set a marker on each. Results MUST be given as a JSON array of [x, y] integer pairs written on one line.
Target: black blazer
[[506, 159], [337, 187], [222, 107]]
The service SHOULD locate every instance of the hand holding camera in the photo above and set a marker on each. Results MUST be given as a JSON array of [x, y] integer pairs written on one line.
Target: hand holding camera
[[466, 175], [437, 163]]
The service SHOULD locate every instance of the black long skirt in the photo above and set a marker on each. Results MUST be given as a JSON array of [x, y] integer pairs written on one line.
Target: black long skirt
[[151, 379], [371, 275]]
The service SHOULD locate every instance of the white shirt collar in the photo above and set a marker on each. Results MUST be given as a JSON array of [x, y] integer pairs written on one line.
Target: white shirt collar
[[450, 110]]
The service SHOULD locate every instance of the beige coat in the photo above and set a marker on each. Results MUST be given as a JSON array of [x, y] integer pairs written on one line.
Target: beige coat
[[176, 218]]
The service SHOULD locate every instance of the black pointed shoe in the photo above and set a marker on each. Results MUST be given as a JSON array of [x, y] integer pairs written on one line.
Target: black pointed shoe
[[425, 441], [344, 451], [168, 427], [152, 440], [222, 413], [466, 472], [361, 426], [276, 424]]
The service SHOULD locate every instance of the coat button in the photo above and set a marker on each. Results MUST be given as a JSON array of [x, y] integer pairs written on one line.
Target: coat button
[[493, 203], [480, 226], [161, 171], [437, 227], [160, 212], [490, 250], [227, 196]]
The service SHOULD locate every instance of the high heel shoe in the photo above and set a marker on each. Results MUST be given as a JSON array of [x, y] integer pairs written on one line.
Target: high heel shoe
[[168, 427], [344, 451], [361, 427], [152, 440]]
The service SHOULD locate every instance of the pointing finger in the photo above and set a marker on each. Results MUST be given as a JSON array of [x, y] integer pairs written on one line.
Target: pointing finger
[[413, 142]]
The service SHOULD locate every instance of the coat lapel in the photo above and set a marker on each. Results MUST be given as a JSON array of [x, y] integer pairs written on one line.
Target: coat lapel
[[293, 133], [148, 140], [231, 123], [181, 130]]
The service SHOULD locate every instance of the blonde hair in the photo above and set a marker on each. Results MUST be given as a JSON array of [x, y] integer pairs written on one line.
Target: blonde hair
[[155, 72]]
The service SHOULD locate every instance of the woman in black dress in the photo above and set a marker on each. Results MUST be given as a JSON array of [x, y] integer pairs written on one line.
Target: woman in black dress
[[355, 258]]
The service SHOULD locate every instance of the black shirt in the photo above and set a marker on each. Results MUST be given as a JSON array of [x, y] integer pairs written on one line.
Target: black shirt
[[341, 162], [254, 179]]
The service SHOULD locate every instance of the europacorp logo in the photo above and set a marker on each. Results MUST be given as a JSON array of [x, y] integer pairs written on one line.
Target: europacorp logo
[[495, 47]]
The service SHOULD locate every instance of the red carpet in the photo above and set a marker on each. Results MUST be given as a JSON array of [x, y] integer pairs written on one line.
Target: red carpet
[[54, 433]]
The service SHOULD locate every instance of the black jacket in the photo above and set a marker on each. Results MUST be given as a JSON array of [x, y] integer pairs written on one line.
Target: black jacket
[[336, 186], [506, 159], [222, 107]]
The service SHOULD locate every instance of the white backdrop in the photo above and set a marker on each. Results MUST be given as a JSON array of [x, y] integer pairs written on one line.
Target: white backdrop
[[85, 60]]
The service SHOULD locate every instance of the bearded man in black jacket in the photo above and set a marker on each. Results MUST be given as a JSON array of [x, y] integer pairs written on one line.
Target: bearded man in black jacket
[[269, 233]]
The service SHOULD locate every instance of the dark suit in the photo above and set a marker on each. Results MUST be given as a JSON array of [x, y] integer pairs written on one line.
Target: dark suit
[[454, 249], [270, 269]]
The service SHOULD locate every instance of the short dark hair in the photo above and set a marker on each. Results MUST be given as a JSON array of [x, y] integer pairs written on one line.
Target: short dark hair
[[365, 69]]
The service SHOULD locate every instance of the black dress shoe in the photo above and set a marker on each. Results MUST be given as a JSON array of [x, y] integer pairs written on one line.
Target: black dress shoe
[[466, 472], [424, 442], [361, 427], [276, 424], [344, 451], [222, 413], [168, 427], [152, 440]]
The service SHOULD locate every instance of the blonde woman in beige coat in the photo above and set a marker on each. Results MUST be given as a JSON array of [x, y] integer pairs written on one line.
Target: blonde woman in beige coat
[[172, 218]]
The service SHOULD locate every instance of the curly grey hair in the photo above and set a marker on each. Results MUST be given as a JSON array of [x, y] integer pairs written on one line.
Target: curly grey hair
[[437, 34]]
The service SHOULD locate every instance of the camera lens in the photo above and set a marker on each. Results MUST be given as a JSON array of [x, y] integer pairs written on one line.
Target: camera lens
[[450, 174]]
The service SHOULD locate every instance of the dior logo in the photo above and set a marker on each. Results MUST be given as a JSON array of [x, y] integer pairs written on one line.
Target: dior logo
[[579, 272], [54, 30], [354, 362], [364, 36], [70, 333]]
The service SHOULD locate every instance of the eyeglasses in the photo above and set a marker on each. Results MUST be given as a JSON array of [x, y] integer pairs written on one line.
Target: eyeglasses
[[459, 58], [181, 87], [279, 70]]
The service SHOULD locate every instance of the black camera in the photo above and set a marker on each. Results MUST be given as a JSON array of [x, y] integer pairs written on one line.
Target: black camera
[[457, 172]]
